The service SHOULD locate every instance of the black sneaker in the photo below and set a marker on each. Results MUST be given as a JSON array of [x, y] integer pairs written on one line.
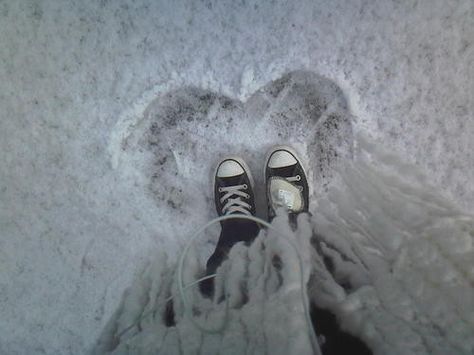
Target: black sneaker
[[287, 184], [233, 188]]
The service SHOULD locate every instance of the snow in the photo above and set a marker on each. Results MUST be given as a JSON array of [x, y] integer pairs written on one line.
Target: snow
[[85, 203], [251, 320], [383, 251], [407, 250]]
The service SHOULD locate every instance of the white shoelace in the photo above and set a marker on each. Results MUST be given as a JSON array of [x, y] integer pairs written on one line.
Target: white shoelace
[[235, 204], [295, 178]]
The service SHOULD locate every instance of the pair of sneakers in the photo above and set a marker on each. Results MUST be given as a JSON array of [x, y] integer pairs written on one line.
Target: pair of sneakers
[[285, 179]]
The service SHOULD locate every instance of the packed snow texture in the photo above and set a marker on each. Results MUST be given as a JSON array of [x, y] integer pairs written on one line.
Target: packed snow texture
[[384, 252], [258, 305], [390, 257], [161, 145], [79, 211], [159, 148]]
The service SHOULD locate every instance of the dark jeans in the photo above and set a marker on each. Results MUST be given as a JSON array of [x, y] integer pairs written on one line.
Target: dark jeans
[[233, 231]]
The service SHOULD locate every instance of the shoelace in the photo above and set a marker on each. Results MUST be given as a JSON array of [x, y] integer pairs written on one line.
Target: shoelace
[[295, 178], [235, 204]]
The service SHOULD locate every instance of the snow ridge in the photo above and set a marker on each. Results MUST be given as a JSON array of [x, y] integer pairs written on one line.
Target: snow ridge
[[383, 251]]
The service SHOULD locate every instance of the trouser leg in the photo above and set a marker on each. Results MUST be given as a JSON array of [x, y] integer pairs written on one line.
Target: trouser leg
[[233, 231]]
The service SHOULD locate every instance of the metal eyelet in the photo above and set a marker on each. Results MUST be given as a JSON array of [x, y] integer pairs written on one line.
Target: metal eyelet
[[247, 197], [245, 187], [298, 178], [219, 189]]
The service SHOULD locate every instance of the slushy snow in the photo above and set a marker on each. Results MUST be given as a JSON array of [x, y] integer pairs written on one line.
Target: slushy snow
[[384, 252], [97, 180], [388, 255]]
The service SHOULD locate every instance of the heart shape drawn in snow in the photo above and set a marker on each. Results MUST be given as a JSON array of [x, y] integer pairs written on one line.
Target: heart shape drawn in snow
[[177, 140]]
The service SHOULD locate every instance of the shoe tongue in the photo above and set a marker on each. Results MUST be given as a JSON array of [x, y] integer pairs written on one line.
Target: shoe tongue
[[284, 194], [232, 180], [285, 171]]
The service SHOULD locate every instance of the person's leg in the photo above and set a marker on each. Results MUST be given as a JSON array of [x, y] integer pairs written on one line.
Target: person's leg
[[287, 187], [233, 190], [233, 231]]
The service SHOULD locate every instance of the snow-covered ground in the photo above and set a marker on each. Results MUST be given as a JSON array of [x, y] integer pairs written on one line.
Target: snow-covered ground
[[390, 257], [87, 187]]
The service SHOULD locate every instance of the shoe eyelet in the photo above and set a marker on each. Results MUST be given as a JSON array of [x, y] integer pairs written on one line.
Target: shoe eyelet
[[219, 189], [245, 187], [247, 197], [298, 177]]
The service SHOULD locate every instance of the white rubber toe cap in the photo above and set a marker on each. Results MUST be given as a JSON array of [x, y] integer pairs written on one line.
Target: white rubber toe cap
[[229, 168], [280, 159]]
